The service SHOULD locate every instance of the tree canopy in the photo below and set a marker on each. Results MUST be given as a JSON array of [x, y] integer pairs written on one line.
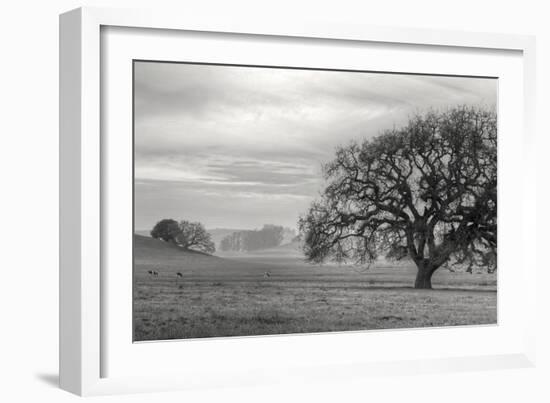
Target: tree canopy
[[186, 234], [426, 191], [194, 236], [166, 229]]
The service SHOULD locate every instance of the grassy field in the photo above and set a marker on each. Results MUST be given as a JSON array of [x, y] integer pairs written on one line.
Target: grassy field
[[229, 295]]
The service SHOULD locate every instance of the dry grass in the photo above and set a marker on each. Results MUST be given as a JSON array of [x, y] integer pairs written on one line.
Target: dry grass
[[230, 297]]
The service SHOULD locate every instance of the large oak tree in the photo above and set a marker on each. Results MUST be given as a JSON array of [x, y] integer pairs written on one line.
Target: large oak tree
[[426, 191]]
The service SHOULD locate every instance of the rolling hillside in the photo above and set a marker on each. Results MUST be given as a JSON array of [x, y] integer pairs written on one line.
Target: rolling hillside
[[147, 247], [143, 232], [167, 259]]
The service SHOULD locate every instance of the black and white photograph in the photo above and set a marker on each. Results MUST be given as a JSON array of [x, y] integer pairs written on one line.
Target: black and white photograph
[[271, 200], [276, 201]]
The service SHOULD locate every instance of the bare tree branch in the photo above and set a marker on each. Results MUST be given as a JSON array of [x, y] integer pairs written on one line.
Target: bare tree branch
[[428, 188]]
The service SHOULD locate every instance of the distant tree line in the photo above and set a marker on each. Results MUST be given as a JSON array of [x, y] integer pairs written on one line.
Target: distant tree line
[[245, 241], [185, 234]]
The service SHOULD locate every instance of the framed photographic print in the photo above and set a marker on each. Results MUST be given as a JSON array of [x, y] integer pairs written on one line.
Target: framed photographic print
[[237, 198], [282, 200]]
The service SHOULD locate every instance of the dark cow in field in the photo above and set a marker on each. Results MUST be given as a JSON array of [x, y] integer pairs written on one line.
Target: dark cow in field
[[153, 273], [267, 274]]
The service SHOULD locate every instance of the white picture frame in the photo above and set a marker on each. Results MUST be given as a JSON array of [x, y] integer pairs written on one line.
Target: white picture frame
[[83, 177]]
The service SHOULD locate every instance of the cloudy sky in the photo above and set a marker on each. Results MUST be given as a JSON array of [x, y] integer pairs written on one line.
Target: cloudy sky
[[239, 147]]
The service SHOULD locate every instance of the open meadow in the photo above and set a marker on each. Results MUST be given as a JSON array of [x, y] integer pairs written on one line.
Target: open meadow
[[231, 295]]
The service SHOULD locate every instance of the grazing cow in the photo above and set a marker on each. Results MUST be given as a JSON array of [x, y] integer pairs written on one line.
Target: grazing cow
[[155, 273], [150, 272], [179, 275], [267, 274]]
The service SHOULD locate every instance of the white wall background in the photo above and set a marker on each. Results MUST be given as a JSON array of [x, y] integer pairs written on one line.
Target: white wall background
[[29, 187]]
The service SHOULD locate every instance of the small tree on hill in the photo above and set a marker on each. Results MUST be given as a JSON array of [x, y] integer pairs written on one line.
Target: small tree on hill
[[427, 191], [166, 229], [193, 236]]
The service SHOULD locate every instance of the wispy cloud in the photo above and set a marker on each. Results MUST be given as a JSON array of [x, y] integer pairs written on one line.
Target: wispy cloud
[[241, 146]]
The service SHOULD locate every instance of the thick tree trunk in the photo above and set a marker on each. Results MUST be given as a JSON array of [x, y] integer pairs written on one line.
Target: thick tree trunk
[[423, 276]]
